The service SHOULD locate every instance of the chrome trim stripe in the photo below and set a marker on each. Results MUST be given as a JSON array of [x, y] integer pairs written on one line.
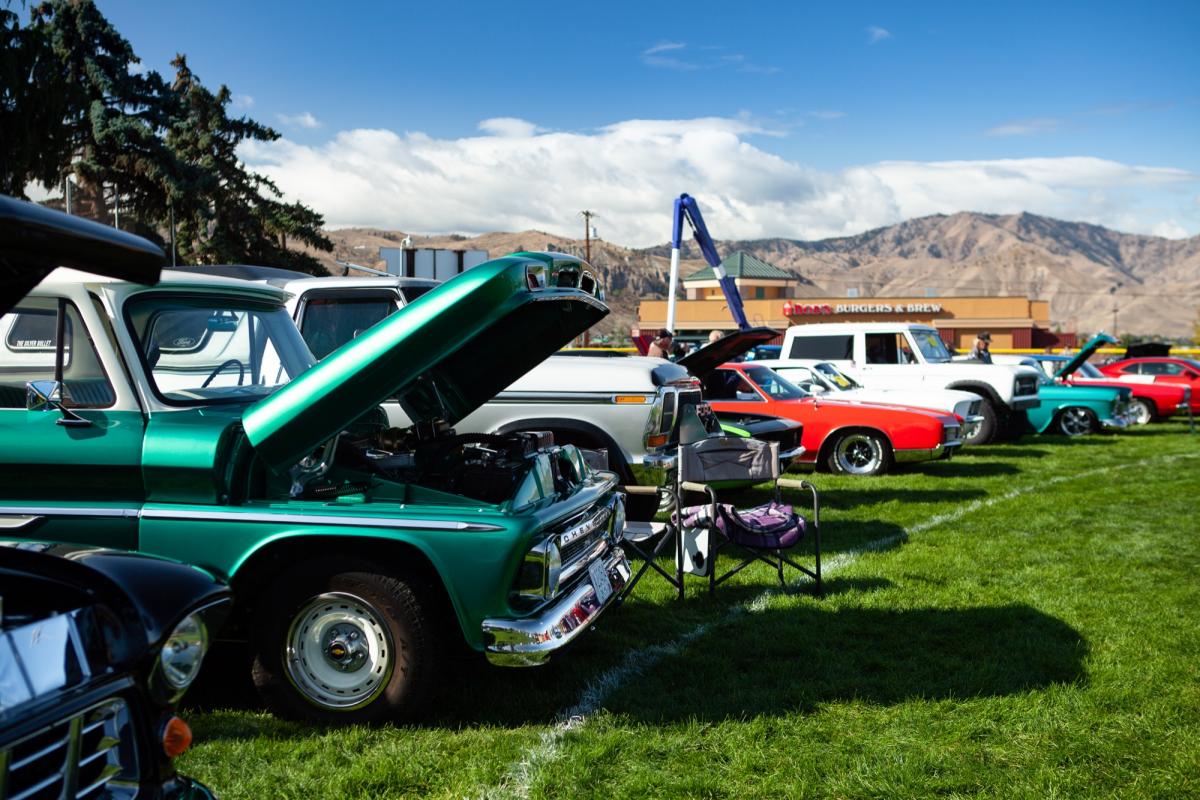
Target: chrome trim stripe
[[14, 522], [248, 516], [69, 511], [571, 398], [319, 519]]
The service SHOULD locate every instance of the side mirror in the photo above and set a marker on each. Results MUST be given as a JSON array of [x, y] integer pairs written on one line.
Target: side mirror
[[48, 396], [816, 388]]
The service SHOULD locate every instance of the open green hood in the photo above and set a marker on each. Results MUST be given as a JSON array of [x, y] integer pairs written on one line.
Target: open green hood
[[1086, 352], [440, 357], [728, 347]]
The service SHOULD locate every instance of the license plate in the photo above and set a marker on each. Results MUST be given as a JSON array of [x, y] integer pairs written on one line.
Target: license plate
[[599, 576]]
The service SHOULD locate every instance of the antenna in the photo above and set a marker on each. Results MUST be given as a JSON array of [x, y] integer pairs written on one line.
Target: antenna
[[347, 266]]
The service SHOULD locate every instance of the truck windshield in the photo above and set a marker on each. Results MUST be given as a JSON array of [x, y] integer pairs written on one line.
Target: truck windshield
[[205, 349], [775, 385], [931, 346]]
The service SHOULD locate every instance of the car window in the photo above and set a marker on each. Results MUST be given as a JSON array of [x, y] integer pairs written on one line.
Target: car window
[[836, 377], [247, 349], [825, 348], [773, 385], [1132, 369], [30, 346], [888, 348], [327, 323], [931, 346]]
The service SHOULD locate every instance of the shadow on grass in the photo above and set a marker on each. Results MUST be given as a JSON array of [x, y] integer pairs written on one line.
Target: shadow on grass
[[845, 498], [770, 663], [797, 658], [963, 468], [1008, 450]]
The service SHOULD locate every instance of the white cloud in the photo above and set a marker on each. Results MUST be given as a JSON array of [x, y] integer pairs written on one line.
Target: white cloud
[[301, 120], [827, 114], [877, 34], [509, 126], [674, 55], [1025, 127], [242, 101], [1170, 229], [515, 176]]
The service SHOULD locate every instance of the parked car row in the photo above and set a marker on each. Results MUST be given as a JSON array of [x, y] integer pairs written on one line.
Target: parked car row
[[382, 472]]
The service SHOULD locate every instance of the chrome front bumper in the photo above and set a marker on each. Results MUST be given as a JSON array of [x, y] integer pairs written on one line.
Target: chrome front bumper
[[970, 426], [1025, 402], [944, 450], [1117, 423], [530, 641]]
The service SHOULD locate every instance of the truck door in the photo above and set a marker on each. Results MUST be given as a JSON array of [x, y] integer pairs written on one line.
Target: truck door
[[888, 361], [70, 429]]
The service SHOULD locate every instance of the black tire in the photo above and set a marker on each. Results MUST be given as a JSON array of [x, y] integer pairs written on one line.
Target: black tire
[[1142, 411], [326, 608], [860, 453], [988, 427], [1076, 421]]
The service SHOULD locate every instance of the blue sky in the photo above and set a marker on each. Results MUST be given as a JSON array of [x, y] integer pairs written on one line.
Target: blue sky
[[826, 119]]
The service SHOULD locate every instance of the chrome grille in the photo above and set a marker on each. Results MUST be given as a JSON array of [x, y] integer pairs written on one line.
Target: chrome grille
[[974, 408], [951, 433], [580, 535], [84, 757]]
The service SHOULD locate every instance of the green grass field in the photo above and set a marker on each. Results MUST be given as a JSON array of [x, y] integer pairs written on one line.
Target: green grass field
[[1022, 621]]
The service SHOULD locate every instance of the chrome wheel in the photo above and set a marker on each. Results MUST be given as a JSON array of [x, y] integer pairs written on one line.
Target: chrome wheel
[[339, 652], [1075, 421], [1141, 411], [859, 454]]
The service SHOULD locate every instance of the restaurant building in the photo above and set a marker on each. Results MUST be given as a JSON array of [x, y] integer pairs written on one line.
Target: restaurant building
[[768, 295]]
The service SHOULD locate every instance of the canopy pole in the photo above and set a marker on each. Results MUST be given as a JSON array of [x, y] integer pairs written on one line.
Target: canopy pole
[[671, 288]]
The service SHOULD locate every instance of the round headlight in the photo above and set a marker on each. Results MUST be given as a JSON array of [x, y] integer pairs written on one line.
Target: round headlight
[[183, 651], [618, 519]]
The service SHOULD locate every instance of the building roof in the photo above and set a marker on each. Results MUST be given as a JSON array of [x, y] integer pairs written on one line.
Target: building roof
[[743, 265]]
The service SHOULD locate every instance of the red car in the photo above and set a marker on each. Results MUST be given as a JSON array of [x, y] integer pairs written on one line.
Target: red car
[[846, 436], [1151, 401], [1165, 370]]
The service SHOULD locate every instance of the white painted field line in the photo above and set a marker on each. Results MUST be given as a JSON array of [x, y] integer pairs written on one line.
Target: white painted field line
[[519, 780]]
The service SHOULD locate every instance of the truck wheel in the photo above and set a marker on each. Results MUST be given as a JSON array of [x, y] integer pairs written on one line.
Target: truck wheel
[[860, 453], [987, 428], [342, 643], [1142, 410], [1076, 421]]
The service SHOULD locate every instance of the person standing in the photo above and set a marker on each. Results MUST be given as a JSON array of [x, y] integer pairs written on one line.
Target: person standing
[[980, 352], [661, 346]]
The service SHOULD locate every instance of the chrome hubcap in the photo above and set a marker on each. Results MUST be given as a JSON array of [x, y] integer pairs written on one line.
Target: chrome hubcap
[[1140, 411], [339, 652], [858, 454], [1076, 422]]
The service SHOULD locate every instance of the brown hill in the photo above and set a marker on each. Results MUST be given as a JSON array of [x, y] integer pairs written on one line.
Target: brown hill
[[1082, 269]]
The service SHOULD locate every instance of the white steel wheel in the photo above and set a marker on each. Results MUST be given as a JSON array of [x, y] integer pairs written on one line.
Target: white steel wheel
[[1076, 421], [1141, 411], [340, 653], [859, 453]]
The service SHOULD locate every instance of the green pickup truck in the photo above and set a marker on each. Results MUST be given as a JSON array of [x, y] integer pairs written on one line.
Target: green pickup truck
[[187, 420]]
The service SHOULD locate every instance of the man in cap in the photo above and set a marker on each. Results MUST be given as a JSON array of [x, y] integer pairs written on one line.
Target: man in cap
[[980, 351]]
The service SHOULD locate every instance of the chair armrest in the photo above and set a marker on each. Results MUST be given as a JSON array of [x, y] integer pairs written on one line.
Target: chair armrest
[[642, 490], [789, 483], [802, 486]]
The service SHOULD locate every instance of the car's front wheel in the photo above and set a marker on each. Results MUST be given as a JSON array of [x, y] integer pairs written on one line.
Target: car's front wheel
[[1141, 410], [860, 453], [1076, 421], [343, 643]]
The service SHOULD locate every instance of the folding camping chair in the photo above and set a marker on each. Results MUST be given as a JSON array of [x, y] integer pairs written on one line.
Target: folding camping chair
[[765, 533]]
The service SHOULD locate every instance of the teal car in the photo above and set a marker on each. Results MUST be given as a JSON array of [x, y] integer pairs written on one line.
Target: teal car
[[1074, 410], [188, 420]]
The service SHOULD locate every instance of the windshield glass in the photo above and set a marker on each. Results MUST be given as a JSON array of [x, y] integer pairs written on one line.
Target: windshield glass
[[836, 377], [775, 385], [205, 349], [931, 346]]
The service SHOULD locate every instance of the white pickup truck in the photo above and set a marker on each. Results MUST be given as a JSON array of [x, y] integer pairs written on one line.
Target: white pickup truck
[[904, 355]]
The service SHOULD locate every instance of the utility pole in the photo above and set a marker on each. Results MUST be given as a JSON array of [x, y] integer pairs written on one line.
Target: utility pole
[[1113, 291], [587, 233]]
